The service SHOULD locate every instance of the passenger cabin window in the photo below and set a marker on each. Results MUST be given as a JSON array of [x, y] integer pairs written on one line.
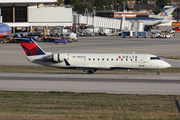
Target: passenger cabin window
[[155, 58]]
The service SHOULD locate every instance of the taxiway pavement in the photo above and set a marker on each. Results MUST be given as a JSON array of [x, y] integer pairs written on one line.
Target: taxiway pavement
[[13, 54], [97, 83]]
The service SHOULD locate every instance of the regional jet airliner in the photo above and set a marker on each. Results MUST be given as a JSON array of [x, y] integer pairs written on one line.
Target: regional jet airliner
[[90, 62]]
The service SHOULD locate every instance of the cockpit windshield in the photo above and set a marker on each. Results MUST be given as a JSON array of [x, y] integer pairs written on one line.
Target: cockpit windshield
[[155, 58]]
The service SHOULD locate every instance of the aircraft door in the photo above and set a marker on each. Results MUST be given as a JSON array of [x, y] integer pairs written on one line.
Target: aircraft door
[[142, 63]]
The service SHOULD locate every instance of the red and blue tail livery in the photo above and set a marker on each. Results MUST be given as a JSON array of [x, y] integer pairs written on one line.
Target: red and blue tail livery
[[90, 62], [30, 47]]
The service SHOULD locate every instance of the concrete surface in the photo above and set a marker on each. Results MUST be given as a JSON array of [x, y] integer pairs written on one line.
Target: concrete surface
[[101, 83]]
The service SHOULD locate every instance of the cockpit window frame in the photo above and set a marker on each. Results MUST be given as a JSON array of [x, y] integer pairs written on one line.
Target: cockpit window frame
[[155, 58]]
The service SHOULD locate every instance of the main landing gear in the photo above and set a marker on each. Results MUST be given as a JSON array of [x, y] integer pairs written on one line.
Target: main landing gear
[[90, 71], [158, 72]]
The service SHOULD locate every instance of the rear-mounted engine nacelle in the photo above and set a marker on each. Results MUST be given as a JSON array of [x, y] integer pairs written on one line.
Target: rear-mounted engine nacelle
[[58, 57]]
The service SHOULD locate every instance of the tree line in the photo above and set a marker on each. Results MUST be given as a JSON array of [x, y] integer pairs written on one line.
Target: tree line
[[81, 5]]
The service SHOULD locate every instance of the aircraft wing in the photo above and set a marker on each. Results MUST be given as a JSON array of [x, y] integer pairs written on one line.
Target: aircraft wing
[[23, 33]]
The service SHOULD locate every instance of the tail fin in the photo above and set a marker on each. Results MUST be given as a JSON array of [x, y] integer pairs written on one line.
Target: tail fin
[[30, 47], [166, 12]]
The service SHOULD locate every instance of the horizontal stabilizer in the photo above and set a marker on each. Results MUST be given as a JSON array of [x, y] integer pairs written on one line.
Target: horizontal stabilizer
[[23, 33]]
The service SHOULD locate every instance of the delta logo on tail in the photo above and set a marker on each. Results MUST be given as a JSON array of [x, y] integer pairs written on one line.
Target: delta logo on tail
[[30, 47]]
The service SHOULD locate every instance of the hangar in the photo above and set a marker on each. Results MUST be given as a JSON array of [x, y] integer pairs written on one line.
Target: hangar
[[29, 13]]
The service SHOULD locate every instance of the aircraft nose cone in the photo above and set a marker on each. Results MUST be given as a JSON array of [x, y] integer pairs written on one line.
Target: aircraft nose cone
[[167, 65]]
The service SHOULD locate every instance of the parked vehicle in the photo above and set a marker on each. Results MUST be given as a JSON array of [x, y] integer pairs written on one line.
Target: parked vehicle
[[35, 37], [127, 33], [56, 32], [177, 29], [165, 34], [155, 35], [60, 41], [141, 34], [70, 36], [155, 31], [162, 34]]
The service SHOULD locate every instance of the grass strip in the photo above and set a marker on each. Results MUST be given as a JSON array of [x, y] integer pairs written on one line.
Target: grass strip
[[172, 57], [46, 69], [81, 106]]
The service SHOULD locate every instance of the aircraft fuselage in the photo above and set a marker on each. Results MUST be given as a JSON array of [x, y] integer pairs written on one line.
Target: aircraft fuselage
[[97, 61]]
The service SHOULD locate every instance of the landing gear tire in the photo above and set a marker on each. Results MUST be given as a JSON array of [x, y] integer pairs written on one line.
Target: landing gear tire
[[90, 71], [158, 72]]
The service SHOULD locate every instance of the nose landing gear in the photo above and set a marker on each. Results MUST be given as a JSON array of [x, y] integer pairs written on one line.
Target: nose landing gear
[[158, 72]]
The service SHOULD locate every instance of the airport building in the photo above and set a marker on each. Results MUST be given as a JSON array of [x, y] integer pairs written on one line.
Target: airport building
[[29, 13]]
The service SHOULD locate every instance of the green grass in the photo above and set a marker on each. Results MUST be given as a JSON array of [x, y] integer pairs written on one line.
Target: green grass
[[84, 106], [172, 57], [81, 106], [45, 69]]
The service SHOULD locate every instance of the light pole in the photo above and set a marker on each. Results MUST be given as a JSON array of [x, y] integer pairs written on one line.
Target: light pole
[[93, 17], [104, 7], [94, 10], [112, 7], [117, 6], [139, 6], [176, 8], [124, 6]]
